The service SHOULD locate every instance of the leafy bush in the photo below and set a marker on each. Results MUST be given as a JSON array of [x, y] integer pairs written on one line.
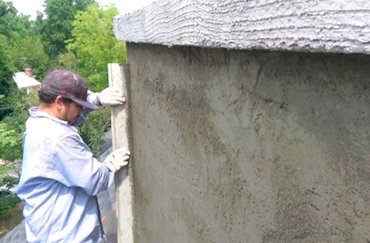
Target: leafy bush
[[93, 129], [7, 202], [10, 143], [9, 181], [13, 125]]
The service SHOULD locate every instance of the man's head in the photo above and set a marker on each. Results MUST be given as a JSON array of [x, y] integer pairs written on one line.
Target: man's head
[[66, 84], [63, 94]]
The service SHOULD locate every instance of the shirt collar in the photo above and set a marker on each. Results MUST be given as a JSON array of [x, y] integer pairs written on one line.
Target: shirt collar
[[35, 113]]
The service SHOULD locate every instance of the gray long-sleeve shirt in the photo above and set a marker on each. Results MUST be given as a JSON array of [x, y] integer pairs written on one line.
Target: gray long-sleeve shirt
[[59, 183]]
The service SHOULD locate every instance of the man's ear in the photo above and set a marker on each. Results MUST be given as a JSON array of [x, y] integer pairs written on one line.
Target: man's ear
[[59, 101]]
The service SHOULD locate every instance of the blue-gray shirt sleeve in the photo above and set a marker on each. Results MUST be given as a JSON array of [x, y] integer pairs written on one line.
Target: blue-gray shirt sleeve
[[78, 167], [91, 98]]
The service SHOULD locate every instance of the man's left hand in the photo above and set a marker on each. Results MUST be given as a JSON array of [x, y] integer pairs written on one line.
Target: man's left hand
[[111, 96]]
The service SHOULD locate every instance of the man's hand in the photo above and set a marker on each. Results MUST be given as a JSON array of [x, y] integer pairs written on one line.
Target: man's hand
[[117, 159], [110, 96]]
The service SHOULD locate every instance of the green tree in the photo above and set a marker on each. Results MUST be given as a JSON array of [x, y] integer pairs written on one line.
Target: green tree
[[19, 47], [57, 27], [29, 51], [68, 61], [9, 142], [94, 44], [5, 73], [13, 126], [7, 12], [6, 9], [5, 76]]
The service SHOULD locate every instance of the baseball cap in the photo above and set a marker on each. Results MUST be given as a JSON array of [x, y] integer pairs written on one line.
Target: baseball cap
[[69, 85]]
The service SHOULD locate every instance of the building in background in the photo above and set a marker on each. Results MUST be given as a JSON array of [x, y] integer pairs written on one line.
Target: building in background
[[26, 81]]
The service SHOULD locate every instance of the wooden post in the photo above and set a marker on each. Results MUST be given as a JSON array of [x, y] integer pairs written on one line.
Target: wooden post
[[119, 78]]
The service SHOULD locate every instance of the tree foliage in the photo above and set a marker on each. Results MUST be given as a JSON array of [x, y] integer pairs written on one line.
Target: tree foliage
[[42, 44], [13, 126], [5, 74], [29, 51], [7, 14], [6, 11], [56, 29], [94, 44], [7, 202], [71, 34], [93, 129]]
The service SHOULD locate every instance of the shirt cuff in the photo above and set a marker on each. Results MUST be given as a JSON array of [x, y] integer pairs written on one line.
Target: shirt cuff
[[92, 98], [111, 177]]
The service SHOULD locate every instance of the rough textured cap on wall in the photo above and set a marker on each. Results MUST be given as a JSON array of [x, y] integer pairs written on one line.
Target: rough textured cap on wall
[[67, 84]]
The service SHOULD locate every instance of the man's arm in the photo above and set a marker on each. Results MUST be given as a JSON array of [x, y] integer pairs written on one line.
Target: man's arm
[[107, 97]]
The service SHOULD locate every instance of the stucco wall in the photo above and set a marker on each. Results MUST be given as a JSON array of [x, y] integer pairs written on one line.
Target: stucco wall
[[249, 146], [336, 26]]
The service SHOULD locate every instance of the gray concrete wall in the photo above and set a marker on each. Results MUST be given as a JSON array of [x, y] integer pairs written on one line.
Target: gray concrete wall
[[249, 146]]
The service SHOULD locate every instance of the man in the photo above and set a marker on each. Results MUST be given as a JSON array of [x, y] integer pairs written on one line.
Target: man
[[60, 177]]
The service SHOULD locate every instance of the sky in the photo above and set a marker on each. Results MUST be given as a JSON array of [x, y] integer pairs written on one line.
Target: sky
[[30, 7]]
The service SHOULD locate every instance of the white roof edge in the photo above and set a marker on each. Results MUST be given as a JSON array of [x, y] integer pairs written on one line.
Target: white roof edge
[[23, 81], [336, 26]]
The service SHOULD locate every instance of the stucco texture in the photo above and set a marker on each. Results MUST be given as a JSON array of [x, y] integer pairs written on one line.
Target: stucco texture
[[335, 26], [249, 146]]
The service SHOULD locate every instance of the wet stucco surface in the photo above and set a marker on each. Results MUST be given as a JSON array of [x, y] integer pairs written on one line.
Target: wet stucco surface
[[249, 146]]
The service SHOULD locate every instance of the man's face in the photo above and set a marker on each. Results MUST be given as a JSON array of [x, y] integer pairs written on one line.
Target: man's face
[[71, 112]]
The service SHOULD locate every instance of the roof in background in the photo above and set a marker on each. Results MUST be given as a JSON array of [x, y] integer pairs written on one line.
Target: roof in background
[[23, 81]]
